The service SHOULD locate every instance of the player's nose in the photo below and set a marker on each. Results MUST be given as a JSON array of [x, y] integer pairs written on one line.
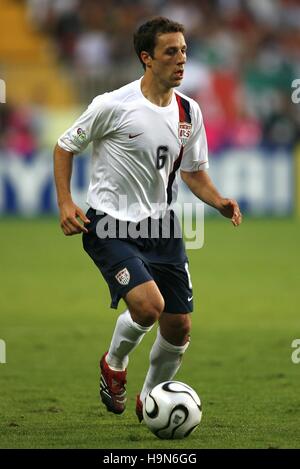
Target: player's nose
[[181, 58]]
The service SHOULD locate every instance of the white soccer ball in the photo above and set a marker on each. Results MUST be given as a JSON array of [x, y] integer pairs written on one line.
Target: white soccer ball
[[172, 410]]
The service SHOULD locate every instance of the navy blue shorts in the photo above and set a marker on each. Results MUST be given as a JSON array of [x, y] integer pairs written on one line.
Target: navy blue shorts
[[127, 261]]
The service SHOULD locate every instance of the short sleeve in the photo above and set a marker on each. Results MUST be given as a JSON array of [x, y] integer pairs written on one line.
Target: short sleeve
[[195, 153], [93, 124]]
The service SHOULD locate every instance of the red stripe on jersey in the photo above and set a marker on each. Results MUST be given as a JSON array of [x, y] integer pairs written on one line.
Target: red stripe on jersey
[[184, 116], [172, 175], [181, 108]]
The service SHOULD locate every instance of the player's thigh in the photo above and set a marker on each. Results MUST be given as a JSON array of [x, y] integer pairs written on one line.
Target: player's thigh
[[174, 283], [175, 328], [145, 303]]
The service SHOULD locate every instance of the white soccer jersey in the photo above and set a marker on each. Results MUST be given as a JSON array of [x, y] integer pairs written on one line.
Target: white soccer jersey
[[138, 148]]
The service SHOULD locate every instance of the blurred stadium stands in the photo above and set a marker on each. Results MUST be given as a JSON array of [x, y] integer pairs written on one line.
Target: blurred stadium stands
[[243, 55]]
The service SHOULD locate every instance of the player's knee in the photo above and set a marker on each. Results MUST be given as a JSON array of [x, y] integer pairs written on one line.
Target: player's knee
[[184, 331], [149, 311], [180, 329]]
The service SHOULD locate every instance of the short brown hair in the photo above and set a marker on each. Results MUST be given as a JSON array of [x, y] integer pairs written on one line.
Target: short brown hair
[[144, 38]]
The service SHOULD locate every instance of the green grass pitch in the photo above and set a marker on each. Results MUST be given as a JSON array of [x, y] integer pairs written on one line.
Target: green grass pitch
[[56, 322]]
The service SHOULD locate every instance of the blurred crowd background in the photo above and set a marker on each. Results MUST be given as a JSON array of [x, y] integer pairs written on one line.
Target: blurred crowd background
[[243, 56]]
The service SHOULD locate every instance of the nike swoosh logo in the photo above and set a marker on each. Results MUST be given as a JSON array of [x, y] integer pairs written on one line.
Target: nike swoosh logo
[[190, 298], [135, 135]]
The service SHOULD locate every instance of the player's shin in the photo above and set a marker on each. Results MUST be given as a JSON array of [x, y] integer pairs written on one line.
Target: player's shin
[[165, 361], [127, 335]]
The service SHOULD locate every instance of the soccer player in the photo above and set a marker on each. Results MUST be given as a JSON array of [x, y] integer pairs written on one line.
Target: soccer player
[[142, 134]]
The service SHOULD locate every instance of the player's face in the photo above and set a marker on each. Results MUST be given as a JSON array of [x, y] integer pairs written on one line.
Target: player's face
[[169, 58]]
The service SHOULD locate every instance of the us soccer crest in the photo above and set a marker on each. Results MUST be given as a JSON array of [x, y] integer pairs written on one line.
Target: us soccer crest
[[123, 277], [184, 132]]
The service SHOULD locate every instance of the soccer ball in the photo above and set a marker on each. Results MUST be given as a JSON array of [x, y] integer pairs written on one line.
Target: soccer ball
[[172, 410]]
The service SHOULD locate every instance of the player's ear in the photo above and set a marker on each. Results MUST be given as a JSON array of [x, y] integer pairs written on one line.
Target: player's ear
[[146, 58]]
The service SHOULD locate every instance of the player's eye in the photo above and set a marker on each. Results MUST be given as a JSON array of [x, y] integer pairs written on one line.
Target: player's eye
[[171, 51]]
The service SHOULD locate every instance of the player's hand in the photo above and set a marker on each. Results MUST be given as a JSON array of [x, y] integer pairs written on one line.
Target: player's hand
[[230, 209], [69, 214]]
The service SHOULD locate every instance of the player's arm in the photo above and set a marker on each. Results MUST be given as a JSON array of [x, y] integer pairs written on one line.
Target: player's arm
[[69, 212], [202, 186]]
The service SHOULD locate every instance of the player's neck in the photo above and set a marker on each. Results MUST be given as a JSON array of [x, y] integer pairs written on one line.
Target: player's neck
[[155, 92]]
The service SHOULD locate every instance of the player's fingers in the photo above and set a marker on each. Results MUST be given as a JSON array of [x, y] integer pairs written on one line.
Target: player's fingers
[[233, 204], [236, 214], [77, 227], [237, 217], [68, 227], [82, 215], [65, 228]]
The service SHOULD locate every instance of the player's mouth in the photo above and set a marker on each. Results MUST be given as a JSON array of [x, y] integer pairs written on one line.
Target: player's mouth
[[179, 74]]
